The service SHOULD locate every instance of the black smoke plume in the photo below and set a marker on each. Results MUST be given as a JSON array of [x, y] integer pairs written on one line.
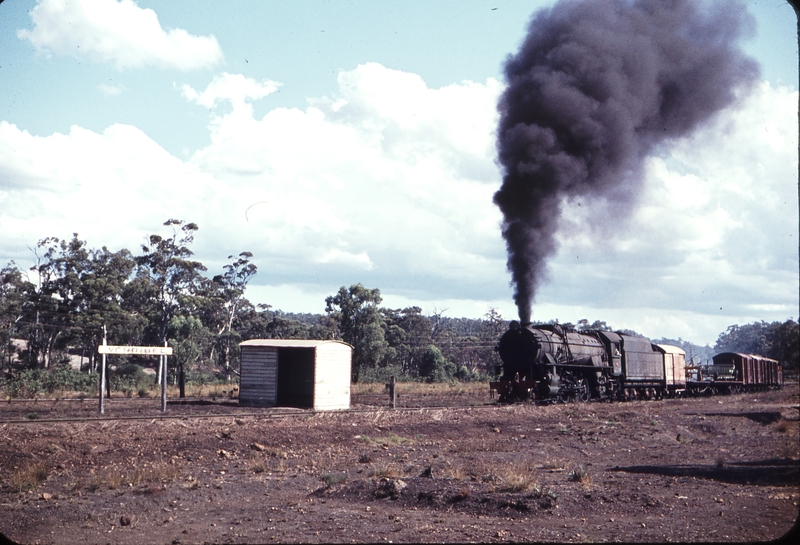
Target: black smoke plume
[[594, 87]]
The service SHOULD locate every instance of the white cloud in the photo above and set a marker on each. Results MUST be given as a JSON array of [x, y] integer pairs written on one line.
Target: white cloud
[[356, 261], [111, 187], [234, 88], [396, 193], [320, 195], [117, 32], [396, 186]]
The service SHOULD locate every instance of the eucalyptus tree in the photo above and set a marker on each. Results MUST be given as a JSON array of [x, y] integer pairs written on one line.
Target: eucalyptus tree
[[102, 290], [409, 333], [189, 340], [14, 292], [360, 323], [778, 340], [167, 276], [56, 298], [228, 293], [78, 291]]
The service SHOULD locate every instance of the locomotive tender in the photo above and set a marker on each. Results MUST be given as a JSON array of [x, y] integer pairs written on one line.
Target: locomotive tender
[[552, 363]]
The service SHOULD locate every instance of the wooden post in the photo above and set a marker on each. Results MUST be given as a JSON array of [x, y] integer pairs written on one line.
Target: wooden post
[[102, 380], [393, 391], [164, 382]]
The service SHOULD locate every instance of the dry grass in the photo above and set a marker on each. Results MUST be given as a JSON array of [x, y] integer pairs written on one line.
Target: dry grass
[[258, 466], [455, 472], [108, 478], [516, 476], [422, 388], [28, 477], [160, 472], [384, 471]]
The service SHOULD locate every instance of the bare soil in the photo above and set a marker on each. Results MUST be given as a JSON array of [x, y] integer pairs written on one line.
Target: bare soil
[[710, 469]]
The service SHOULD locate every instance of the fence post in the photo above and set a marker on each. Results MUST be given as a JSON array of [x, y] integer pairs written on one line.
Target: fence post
[[393, 391]]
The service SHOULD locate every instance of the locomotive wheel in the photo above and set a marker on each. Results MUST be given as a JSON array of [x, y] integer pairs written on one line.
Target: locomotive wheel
[[583, 394]]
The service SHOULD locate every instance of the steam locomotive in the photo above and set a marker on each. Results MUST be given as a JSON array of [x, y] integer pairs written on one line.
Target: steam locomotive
[[552, 363]]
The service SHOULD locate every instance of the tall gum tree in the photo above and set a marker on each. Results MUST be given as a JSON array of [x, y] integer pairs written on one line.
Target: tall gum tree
[[166, 271], [360, 324]]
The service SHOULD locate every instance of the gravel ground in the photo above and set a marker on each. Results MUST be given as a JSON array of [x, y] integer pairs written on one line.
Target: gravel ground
[[706, 469]]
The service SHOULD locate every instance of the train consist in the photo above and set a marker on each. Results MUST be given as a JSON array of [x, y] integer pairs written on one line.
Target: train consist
[[731, 373], [551, 363]]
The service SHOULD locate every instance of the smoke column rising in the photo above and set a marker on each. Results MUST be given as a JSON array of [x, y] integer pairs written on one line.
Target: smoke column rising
[[594, 87]]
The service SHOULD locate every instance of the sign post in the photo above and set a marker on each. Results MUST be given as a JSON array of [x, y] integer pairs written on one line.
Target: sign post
[[164, 382], [102, 407], [161, 351]]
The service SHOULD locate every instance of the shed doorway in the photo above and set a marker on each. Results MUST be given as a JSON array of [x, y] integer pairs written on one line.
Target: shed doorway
[[296, 377]]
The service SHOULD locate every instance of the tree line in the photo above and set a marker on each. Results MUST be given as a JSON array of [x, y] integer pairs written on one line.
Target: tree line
[[74, 296]]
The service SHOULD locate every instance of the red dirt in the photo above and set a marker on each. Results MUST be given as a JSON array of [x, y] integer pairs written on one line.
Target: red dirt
[[711, 469]]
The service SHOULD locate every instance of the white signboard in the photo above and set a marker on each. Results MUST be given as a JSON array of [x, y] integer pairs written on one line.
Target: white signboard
[[135, 350]]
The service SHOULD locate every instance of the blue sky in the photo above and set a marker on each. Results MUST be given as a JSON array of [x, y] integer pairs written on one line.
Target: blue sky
[[345, 142]]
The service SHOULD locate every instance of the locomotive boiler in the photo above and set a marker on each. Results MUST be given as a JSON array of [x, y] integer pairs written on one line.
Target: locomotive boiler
[[553, 363]]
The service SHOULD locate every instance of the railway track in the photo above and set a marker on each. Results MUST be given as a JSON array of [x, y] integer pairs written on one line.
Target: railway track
[[40, 411], [26, 415]]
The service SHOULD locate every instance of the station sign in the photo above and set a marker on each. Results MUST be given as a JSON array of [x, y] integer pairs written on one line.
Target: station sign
[[135, 350]]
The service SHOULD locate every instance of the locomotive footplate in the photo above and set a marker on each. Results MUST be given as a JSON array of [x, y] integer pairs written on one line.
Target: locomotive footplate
[[580, 367]]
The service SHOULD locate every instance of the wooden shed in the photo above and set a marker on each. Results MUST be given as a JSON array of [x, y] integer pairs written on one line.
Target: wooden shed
[[295, 373]]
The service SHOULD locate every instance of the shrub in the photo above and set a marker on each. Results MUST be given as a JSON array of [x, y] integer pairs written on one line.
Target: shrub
[[579, 475], [28, 383], [129, 378], [382, 375], [434, 367], [334, 478]]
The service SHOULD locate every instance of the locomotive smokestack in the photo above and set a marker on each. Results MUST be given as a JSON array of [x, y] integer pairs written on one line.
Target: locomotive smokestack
[[594, 87]]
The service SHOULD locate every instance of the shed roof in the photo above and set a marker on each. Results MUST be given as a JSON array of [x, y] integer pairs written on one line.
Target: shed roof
[[281, 343]]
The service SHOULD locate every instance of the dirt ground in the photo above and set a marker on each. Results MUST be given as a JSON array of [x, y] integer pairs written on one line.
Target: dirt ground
[[721, 468]]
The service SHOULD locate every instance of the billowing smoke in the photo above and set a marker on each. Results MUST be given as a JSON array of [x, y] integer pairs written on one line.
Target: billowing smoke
[[594, 87]]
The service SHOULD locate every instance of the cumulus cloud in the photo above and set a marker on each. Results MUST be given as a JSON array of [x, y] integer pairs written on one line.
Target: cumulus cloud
[[116, 32], [387, 176], [349, 189], [234, 88], [396, 193], [111, 187]]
